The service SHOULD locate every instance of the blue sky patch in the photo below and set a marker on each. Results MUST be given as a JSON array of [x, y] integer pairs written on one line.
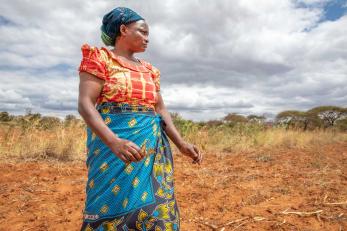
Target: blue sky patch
[[334, 10]]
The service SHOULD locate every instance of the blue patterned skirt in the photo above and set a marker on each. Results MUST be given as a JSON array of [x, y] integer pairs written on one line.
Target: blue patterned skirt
[[137, 196]]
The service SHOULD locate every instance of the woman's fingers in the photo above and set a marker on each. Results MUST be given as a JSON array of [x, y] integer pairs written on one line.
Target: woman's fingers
[[200, 154], [129, 155], [194, 154], [197, 155], [138, 150], [196, 151], [130, 151], [124, 158], [135, 153]]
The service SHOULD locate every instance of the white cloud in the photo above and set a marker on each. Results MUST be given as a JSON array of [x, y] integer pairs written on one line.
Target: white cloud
[[223, 56]]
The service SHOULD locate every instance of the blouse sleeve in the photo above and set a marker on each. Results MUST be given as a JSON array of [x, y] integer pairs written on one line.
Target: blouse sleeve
[[93, 62], [156, 78]]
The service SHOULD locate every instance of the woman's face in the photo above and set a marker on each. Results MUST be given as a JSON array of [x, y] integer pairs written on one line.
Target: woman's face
[[136, 36]]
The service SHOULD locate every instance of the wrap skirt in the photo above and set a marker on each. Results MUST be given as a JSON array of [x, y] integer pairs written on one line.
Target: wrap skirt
[[134, 196]]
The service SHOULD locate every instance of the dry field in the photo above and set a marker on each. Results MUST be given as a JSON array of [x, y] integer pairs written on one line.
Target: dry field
[[274, 180]]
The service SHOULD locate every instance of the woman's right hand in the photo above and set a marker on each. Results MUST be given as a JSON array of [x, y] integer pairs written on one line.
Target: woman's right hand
[[126, 150]]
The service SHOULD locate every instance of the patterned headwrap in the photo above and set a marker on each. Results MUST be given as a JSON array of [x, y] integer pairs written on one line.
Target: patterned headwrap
[[112, 21]]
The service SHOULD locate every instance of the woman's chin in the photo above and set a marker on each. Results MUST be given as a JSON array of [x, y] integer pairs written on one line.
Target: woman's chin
[[141, 50]]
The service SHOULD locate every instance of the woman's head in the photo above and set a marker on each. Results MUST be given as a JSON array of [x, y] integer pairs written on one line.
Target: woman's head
[[123, 25]]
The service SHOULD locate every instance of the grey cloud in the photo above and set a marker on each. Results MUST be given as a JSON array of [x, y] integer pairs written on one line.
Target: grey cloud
[[225, 105], [223, 56]]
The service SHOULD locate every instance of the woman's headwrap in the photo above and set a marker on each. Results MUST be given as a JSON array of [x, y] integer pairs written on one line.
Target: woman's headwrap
[[112, 21]]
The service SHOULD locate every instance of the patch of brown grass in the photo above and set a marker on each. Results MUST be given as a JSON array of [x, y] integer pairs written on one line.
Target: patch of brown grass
[[68, 142]]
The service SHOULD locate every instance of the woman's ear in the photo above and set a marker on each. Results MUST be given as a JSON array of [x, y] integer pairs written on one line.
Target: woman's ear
[[123, 29]]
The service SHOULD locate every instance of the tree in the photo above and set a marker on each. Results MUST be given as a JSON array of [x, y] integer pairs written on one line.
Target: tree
[[329, 114], [342, 124], [287, 118], [214, 123], [233, 117], [256, 118], [5, 116], [70, 119], [293, 119]]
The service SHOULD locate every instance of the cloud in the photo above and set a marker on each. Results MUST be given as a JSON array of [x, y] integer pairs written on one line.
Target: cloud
[[222, 56]]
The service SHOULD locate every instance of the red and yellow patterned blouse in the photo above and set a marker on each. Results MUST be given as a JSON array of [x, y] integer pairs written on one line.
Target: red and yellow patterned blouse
[[124, 81]]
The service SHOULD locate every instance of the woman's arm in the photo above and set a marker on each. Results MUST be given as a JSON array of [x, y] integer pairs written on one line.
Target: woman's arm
[[170, 129], [89, 90]]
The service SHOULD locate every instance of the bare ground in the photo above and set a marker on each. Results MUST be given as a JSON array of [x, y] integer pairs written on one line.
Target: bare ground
[[264, 190]]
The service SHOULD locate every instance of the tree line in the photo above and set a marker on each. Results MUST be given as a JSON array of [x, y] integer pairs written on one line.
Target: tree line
[[39, 121], [321, 117]]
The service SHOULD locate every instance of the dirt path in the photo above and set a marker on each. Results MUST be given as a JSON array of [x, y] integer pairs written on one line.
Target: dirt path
[[265, 190]]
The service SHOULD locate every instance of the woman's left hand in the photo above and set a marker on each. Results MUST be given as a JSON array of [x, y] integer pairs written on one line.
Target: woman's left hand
[[192, 151]]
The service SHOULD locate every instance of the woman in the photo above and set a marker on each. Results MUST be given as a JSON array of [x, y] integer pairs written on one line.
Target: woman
[[130, 166]]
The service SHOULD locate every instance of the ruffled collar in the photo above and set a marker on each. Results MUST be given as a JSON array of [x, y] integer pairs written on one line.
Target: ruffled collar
[[145, 67]]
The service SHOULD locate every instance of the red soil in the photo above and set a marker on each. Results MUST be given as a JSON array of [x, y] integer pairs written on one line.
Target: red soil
[[248, 190]]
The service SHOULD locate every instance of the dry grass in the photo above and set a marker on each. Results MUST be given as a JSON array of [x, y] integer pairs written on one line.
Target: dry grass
[[68, 142], [228, 140], [62, 143]]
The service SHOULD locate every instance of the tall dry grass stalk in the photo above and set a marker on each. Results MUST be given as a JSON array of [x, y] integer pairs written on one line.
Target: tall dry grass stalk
[[61, 142], [68, 142]]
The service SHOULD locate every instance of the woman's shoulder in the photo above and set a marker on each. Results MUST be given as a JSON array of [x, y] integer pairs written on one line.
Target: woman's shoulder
[[93, 52], [150, 66]]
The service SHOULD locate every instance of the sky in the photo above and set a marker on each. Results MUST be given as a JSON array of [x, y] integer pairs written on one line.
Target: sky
[[215, 57]]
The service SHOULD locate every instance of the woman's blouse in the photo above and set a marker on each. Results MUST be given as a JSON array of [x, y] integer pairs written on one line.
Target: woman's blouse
[[124, 82]]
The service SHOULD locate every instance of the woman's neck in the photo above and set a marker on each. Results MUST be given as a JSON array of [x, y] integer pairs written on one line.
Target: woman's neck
[[125, 53]]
